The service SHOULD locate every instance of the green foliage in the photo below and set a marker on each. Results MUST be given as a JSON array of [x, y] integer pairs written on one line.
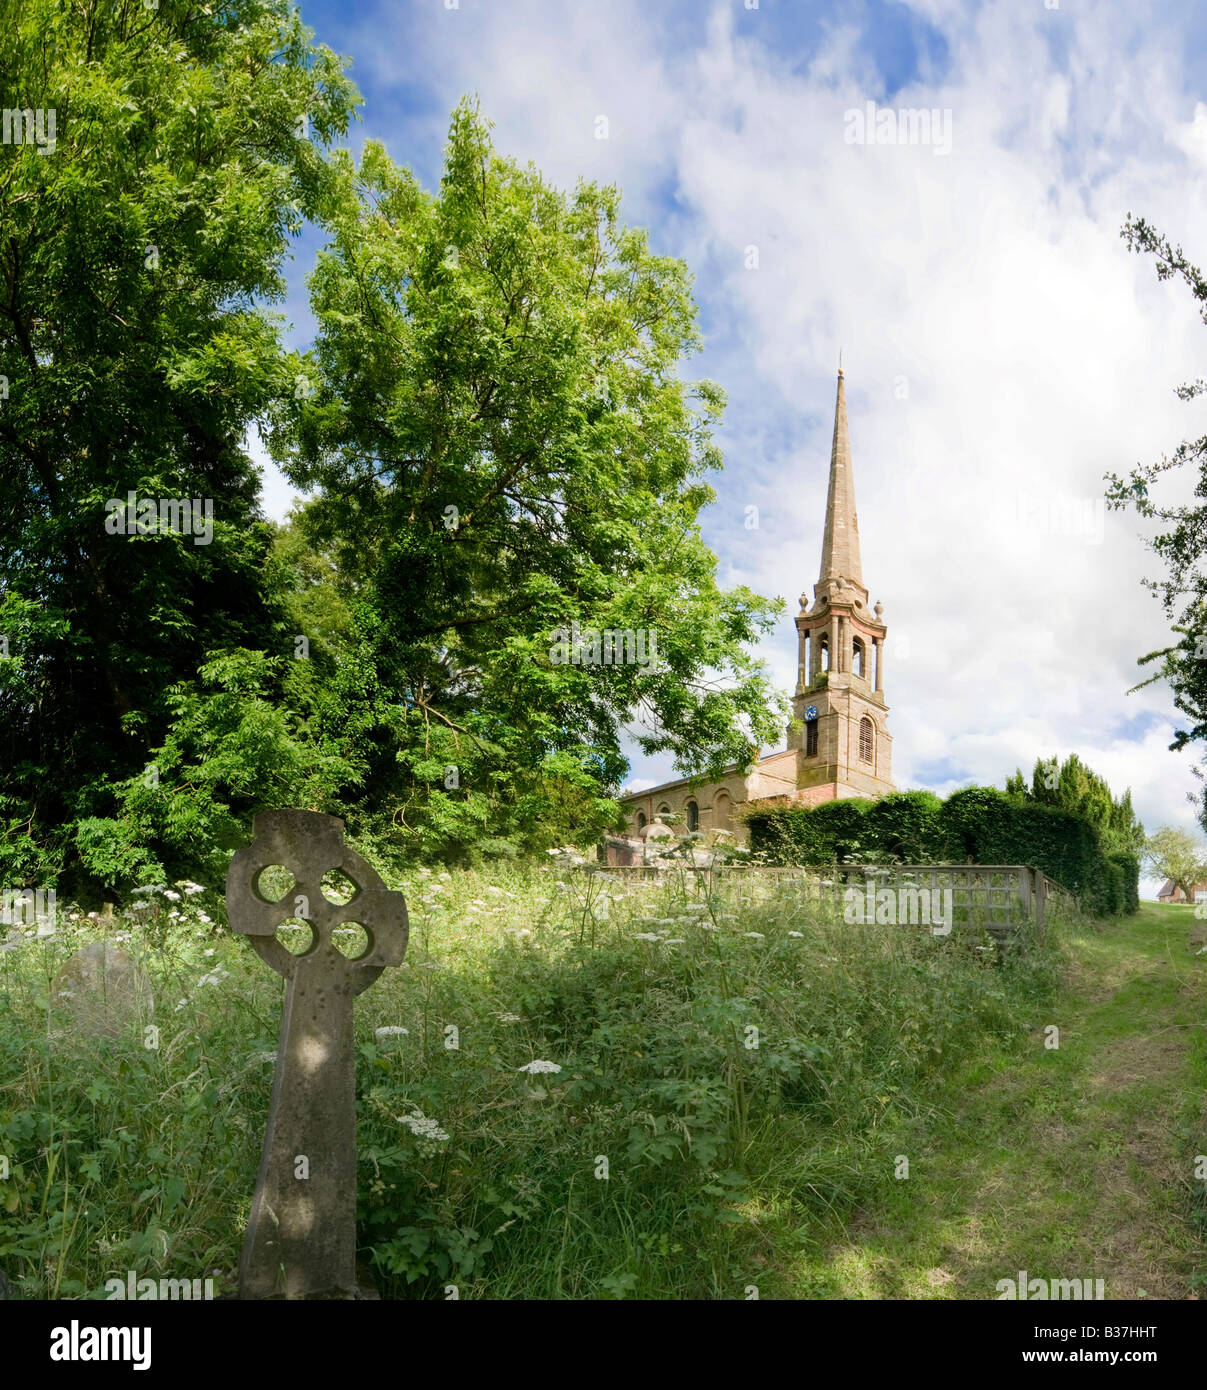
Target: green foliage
[[502, 446], [1073, 787], [137, 351], [906, 826], [492, 421], [963, 820], [977, 825]]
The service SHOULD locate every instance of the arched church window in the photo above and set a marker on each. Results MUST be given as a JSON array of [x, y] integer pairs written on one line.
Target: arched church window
[[721, 807], [640, 820], [693, 815], [866, 735], [810, 738], [664, 809], [857, 657]]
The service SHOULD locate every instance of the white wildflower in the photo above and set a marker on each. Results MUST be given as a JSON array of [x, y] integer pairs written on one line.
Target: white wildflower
[[754, 935], [423, 1128], [510, 1018], [539, 1066], [391, 1031], [171, 896]]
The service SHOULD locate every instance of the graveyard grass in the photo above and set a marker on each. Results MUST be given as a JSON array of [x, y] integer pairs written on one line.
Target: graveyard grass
[[729, 1166]]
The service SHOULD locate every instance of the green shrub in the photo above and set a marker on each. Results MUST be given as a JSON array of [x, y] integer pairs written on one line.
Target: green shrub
[[906, 826], [978, 825], [835, 830], [964, 821]]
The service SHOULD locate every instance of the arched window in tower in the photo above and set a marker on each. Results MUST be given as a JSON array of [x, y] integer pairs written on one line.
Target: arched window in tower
[[866, 737], [693, 815], [857, 658], [810, 738], [824, 648]]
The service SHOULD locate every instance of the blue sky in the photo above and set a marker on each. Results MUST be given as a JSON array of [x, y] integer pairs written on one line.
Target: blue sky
[[1002, 348]]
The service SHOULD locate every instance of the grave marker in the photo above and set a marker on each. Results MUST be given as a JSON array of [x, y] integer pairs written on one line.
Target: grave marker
[[301, 1235]]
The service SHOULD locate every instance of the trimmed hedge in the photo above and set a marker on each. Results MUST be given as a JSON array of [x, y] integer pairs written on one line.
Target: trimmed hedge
[[1129, 866], [978, 825], [906, 825]]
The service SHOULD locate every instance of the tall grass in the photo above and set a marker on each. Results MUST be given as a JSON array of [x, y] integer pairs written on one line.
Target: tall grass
[[731, 1072]]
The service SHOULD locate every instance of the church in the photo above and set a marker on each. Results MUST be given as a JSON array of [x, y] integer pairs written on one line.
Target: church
[[838, 743]]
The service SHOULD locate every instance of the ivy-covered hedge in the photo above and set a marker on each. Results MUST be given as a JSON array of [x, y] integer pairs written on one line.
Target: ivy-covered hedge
[[978, 825]]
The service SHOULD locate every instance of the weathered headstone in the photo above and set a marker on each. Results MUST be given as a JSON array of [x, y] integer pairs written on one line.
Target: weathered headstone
[[101, 989], [301, 1236]]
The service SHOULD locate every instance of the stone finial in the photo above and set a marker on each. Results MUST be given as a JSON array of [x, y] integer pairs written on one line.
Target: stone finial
[[878, 610], [301, 1234]]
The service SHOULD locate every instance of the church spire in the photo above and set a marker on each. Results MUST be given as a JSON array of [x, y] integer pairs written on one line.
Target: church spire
[[840, 547]]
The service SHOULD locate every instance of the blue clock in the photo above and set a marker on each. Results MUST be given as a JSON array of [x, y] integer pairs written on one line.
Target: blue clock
[[811, 712]]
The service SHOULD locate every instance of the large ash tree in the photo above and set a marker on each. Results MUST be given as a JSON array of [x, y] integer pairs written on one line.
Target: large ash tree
[[502, 446], [134, 254]]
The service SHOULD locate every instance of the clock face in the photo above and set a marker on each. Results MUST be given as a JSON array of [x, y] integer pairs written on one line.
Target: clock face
[[811, 712]]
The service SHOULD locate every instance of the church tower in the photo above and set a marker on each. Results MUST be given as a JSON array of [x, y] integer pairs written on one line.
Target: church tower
[[843, 745]]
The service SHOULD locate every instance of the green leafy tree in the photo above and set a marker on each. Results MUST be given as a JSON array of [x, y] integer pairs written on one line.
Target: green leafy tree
[[134, 352], [1177, 855], [1074, 787], [502, 447]]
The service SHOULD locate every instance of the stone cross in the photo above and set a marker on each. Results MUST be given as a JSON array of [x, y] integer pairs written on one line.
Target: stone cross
[[301, 1235]]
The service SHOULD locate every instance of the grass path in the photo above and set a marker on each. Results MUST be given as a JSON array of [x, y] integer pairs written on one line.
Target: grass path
[[1072, 1162]]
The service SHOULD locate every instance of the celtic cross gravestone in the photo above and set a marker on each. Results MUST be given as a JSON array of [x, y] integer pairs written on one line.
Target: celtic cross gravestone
[[301, 1236]]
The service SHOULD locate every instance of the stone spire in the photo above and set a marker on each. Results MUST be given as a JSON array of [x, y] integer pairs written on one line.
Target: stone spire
[[840, 548]]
